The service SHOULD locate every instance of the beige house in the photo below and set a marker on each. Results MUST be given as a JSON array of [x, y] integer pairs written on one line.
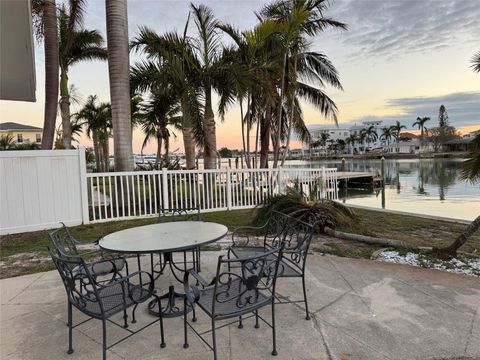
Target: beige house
[[21, 133]]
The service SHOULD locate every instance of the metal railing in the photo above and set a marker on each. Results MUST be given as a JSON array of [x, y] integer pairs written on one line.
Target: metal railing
[[127, 195]]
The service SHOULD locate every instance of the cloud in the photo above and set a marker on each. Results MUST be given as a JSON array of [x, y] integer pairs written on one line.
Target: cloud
[[463, 109], [397, 27]]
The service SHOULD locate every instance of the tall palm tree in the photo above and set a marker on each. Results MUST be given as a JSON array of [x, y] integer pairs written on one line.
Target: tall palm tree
[[396, 129], [370, 134], [351, 140], [298, 21], [119, 75], [208, 47], [420, 122], [476, 62], [387, 134], [45, 20], [160, 112], [361, 138], [171, 66], [75, 45], [97, 120]]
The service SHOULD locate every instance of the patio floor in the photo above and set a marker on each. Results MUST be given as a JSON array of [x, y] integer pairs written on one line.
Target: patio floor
[[361, 310]]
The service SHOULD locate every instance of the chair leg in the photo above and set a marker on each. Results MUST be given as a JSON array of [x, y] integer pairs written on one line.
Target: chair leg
[[257, 325], [240, 324], [307, 317], [134, 320], [185, 342], [125, 317], [194, 316], [274, 351], [162, 334], [104, 344], [214, 341], [70, 348]]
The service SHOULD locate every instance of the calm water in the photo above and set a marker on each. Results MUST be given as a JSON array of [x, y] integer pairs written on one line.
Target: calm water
[[426, 186]]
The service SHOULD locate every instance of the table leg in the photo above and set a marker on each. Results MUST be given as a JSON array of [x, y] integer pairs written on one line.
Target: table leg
[[172, 304]]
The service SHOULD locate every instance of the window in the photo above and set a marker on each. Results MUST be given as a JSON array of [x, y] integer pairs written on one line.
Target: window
[[19, 138], [38, 138], [345, 133]]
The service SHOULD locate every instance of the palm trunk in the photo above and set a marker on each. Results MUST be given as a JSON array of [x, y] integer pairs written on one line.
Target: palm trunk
[[65, 110], [159, 149], [276, 151], [290, 120], [460, 240], [247, 161], [255, 163], [106, 153], [167, 148], [119, 75], [210, 149], [265, 138], [96, 151], [189, 145], [249, 127], [51, 73]]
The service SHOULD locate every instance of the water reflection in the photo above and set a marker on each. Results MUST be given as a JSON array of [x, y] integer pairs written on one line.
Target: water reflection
[[427, 186]]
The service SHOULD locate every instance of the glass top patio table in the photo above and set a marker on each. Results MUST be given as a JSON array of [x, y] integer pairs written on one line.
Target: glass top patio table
[[164, 237]]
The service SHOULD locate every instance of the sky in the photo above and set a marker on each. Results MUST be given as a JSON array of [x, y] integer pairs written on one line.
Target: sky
[[398, 60]]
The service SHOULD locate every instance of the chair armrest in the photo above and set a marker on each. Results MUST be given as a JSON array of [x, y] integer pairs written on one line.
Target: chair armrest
[[192, 293], [246, 229]]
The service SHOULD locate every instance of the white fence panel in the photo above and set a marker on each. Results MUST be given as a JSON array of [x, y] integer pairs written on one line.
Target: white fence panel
[[40, 188], [127, 195]]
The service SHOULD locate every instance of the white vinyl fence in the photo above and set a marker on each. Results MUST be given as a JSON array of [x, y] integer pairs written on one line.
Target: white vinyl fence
[[125, 195], [40, 188]]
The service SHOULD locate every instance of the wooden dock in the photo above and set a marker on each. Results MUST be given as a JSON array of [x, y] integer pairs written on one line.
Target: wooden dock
[[352, 179]]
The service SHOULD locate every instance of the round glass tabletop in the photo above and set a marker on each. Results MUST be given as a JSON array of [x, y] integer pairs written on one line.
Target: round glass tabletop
[[164, 237]]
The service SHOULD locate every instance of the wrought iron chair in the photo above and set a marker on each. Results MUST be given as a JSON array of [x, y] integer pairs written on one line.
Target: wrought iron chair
[[65, 245], [102, 301], [234, 293], [296, 235]]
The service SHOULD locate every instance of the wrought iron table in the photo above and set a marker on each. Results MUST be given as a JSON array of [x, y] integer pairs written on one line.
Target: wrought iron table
[[164, 238]]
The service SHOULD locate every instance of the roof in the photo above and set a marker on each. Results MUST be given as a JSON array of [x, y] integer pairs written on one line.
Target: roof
[[408, 135], [16, 126]]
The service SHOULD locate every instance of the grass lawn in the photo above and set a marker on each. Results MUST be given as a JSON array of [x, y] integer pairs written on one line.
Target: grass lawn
[[18, 249]]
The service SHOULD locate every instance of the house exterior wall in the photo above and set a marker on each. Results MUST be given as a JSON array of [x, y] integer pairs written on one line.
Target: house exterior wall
[[31, 136]]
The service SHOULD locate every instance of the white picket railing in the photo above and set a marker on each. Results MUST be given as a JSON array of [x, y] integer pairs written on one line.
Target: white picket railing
[[124, 195]]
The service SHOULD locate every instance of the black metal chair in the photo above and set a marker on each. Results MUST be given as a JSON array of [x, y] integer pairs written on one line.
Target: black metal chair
[[171, 215], [296, 235], [65, 245], [233, 293], [102, 301]]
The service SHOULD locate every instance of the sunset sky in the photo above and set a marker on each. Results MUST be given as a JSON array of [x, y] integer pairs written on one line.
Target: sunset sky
[[399, 59]]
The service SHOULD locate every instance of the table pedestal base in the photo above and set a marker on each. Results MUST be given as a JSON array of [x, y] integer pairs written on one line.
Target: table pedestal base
[[171, 304]]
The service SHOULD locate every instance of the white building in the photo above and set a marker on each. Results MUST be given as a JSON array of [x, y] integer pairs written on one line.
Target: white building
[[334, 133]]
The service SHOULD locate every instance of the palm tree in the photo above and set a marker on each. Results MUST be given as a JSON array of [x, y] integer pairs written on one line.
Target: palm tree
[[387, 134], [421, 126], [158, 113], [7, 142], [119, 75], [370, 134], [298, 20], [173, 68], [75, 45], [361, 138], [396, 129], [97, 120], [45, 19], [212, 72], [351, 140], [324, 137], [476, 62], [471, 166]]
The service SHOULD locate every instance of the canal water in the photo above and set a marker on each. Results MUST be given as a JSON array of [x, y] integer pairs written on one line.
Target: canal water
[[421, 186]]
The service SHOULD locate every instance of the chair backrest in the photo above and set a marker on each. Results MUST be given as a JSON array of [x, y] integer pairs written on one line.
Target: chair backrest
[[245, 284], [184, 214], [63, 241], [79, 284], [275, 229], [298, 236]]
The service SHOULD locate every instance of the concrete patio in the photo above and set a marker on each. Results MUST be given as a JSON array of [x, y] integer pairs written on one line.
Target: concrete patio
[[360, 310]]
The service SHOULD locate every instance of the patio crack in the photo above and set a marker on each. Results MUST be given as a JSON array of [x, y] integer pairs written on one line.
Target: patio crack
[[26, 287], [470, 331]]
